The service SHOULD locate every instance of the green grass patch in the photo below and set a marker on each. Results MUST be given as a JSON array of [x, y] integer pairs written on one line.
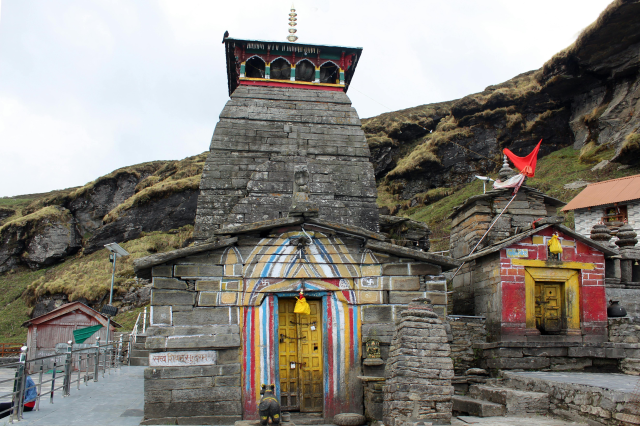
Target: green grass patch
[[13, 309], [128, 319]]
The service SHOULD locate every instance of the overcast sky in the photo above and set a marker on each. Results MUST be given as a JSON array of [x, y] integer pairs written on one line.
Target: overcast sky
[[88, 86]]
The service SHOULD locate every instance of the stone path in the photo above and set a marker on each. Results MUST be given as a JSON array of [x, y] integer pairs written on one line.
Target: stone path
[[116, 399], [612, 381]]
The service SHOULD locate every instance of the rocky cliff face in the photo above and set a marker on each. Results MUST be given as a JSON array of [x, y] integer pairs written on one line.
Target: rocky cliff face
[[586, 97], [118, 207]]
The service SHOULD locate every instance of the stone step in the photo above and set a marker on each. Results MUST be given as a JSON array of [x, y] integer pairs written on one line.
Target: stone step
[[138, 346], [141, 338], [477, 407], [139, 353], [517, 402], [307, 419], [139, 360]]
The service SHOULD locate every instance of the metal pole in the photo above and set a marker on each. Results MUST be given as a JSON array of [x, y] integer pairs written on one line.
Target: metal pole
[[39, 387], [96, 361], [53, 382], [79, 369], [144, 320], [113, 276], [66, 388]]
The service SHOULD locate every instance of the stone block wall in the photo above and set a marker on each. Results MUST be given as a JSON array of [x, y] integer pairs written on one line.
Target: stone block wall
[[470, 222], [187, 317], [205, 394], [264, 133], [624, 330], [378, 321], [629, 298], [586, 218], [580, 403], [466, 332]]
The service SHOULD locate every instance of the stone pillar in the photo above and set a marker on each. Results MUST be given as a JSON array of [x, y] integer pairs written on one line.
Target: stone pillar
[[373, 397], [419, 370]]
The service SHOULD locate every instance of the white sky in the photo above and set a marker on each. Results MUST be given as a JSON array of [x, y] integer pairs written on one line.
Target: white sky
[[88, 86]]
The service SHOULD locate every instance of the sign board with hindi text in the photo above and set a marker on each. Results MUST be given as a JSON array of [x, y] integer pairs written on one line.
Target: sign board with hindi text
[[182, 358]]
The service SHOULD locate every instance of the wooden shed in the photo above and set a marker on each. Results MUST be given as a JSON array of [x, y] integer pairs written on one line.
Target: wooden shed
[[58, 325]]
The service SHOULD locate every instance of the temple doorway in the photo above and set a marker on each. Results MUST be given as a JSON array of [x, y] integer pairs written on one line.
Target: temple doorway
[[549, 303], [300, 357]]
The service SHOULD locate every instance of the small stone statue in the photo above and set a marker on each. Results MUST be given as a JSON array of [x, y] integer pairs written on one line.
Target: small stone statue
[[269, 406]]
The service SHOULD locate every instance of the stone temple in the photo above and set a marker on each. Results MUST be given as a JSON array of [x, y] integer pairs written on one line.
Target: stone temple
[[287, 204]]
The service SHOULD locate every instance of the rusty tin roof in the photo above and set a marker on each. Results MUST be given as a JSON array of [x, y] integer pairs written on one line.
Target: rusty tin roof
[[606, 192]]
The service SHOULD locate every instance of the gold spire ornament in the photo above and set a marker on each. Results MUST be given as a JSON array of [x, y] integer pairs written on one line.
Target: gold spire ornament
[[292, 23]]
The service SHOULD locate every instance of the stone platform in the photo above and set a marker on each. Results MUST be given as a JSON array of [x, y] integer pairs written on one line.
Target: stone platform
[[556, 356], [603, 398]]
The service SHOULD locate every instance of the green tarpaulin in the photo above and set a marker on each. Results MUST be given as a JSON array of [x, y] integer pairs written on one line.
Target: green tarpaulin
[[82, 334]]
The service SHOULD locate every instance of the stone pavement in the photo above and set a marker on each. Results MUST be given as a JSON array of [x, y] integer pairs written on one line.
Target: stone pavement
[[611, 381], [511, 421], [116, 399]]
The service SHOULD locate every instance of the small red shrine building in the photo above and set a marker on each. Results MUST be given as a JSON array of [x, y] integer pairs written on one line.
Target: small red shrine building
[[525, 292]]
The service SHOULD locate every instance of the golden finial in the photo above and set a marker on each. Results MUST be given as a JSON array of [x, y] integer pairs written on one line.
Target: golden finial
[[292, 23]]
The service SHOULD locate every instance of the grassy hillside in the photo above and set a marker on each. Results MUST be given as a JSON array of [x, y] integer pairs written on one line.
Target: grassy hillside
[[81, 276]]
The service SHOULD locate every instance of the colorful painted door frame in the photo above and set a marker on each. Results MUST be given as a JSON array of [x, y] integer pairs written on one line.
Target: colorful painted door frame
[[341, 334]]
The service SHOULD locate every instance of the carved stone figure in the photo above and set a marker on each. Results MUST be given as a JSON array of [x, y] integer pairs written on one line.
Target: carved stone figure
[[269, 406]]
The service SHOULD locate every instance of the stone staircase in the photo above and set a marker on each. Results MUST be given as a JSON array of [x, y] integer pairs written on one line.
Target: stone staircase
[[496, 399], [139, 355]]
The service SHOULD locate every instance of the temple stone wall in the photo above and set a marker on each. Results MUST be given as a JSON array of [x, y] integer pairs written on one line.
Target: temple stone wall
[[466, 331], [477, 291], [264, 133]]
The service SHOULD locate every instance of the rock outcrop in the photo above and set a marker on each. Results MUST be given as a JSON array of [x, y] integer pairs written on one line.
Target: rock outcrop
[[176, 210], [40, 239]]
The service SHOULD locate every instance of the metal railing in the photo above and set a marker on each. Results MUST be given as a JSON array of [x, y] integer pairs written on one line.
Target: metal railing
[[134, 333], [59, 372]]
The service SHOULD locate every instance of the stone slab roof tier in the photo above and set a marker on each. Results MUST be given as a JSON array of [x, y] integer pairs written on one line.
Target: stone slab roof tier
[[607, 192], [489, 195], [371, 240]]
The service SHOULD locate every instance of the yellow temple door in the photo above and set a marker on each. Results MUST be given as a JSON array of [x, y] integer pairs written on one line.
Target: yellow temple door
[[300, 356], [549, 307]]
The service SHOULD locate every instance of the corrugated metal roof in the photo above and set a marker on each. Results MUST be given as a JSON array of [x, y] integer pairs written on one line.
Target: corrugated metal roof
[[606, 192]]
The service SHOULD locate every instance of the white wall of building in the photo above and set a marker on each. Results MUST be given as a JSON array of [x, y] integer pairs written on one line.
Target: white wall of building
[[585, 218]]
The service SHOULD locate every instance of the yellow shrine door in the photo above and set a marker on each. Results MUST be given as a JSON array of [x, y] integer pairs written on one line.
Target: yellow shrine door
[[300, 356], [549, 307]]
